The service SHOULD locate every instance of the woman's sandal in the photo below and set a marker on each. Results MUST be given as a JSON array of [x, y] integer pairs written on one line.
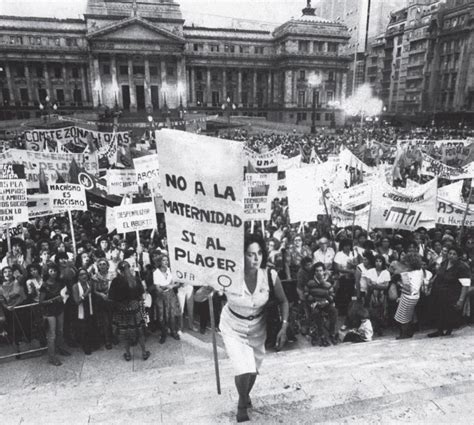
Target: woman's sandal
[[127, 356], [146, 355]]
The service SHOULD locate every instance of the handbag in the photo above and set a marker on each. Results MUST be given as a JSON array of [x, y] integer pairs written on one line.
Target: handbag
[[272, 314]]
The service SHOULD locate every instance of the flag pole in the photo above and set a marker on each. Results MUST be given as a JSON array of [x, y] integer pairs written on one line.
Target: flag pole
[[9, 240]]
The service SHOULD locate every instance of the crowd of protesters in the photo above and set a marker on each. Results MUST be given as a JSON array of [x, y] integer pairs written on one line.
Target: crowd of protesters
[[342, 284]]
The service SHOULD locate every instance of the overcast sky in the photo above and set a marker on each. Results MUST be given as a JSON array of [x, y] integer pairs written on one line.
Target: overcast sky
[[262, 10]]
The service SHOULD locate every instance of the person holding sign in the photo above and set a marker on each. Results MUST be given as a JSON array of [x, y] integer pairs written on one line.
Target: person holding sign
[[243, 324]]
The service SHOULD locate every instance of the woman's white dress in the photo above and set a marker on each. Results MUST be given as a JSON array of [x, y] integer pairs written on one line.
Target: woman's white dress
[[245, 339]]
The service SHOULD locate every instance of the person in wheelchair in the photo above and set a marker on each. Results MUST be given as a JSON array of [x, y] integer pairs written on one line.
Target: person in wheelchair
[[319, 295]]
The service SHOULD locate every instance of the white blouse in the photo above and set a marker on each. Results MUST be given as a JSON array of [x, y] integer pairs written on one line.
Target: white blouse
[[372, 277], [248, 304], [162, 279]]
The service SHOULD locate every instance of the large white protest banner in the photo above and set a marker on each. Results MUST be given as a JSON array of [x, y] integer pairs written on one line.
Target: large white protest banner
[[147, 169], [67, 197], [53, 164], [135, 217], [76, 135], [121, 182], [13, 200], [259, 191], [392, 208], [341, 217], [452, 213], [203, 202], [288, 163], [305, 197], [434, 167], [263, 162]]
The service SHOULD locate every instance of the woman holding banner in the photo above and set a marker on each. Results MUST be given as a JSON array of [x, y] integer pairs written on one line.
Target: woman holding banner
[[243, 323]]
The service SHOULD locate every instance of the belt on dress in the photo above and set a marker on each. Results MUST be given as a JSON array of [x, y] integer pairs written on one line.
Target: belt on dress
[[239, 316]]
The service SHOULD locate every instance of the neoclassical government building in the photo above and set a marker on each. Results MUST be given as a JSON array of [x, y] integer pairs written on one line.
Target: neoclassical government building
[[141, 55]]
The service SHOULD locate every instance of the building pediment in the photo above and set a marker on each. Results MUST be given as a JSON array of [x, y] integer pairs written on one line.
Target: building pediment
[[135, 29]]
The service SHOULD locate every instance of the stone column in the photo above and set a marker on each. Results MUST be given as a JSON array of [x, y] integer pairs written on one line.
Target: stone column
[[29, 84], [288, 88], [115, 86], [148, 104], [254, 88], [224, 86], [67, 88], [96, 83], [11, 87], [269, 88], [208, 88], [181, 81], [344, 86], [47, 80], [192, 87], [84, 87], [131, 84], [163, 82], [239, 88]]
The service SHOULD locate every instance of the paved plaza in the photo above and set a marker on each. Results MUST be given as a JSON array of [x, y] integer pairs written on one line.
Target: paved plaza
[[384, 381]]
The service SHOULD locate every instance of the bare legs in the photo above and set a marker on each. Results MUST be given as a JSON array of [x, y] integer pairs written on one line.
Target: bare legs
[[244, 384]]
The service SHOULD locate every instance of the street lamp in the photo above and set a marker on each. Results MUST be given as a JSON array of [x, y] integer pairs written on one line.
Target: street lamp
[[314, 80], [47, 107], [228, 107]]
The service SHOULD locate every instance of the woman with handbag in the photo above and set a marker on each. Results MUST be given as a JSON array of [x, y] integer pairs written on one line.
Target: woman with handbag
[[126, 291], [243, 321]]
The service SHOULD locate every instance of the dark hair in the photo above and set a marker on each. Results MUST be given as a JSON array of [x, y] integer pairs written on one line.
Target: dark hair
[[121, 266], [370, 258], [48, 268], [345, 242], [82, 269], [319, 264], [59, 256], [459, 250], [305, 261], [30, 267], [381, 258], [253, 238]]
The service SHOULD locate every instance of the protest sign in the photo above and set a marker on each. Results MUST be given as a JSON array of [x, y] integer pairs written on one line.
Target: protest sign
[[434, 167], [305, 200], [67, 197], [12, 171], [110, 219], [52, 164], [203, 202], [39, 206], [354, 196], [288, 163], [452, 192], [452, 213], [263, 162], [148, 172], [13, 201], [259, 191], [408, 210], [135, 217], [121, 182], [341, 217]]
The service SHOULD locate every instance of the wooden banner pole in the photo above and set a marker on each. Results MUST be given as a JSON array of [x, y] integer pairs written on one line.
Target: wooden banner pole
[[465, 215], [214, 343], [9, 240], [252, 226], [71, 224]]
